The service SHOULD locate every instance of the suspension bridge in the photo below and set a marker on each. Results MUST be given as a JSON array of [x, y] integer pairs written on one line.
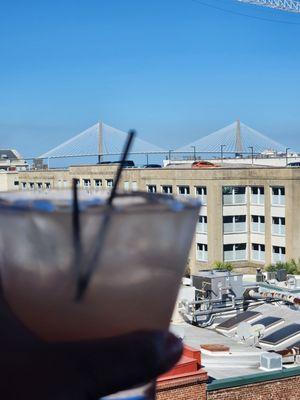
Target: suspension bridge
[[236, 138], [103, 141], [99, 140]]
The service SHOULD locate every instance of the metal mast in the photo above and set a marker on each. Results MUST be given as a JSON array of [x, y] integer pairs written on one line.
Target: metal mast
[[284, 5], [238, 139]]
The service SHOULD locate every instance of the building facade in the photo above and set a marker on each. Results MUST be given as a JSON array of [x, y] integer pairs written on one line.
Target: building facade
[[249, 216]]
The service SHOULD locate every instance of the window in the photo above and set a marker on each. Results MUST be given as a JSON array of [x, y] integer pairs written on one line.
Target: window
[[152, 188], [202, 224], [167, 189], [86, 183], [48, 185], [202, 252], [40, 185], [278, 225], [258, 223], [109, 183], [24, 185], [278, 253], [16, 183], [234, 223], [240, 190], [234, 219], [258, 195], [278, 196], [183, 190], [278, 191], [258, 252], [234, 195], [134, 186], [31, 185], [235, 252], [201, 191], [98, 183]]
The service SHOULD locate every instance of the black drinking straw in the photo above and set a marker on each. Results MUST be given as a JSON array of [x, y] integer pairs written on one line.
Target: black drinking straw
[[75, 213], [84, 278], [76, 228]]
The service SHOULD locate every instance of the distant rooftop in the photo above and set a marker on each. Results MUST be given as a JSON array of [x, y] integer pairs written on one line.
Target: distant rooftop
[[7, 154], [228, 164]]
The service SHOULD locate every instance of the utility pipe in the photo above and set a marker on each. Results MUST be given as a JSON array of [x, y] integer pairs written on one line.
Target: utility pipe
[[272, 294]]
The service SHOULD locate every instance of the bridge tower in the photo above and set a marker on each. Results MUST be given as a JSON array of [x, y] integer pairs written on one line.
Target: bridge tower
[[100, 141], [238, 140]]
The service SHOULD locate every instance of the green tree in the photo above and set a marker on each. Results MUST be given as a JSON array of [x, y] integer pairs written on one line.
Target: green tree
[[292, 267], [221, 265]]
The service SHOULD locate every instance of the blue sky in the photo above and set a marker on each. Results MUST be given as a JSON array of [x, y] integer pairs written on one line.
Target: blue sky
[[174, 70]]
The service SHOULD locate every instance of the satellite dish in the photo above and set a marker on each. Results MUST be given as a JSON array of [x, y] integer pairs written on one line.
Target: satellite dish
[[258, 330], [243, 331]]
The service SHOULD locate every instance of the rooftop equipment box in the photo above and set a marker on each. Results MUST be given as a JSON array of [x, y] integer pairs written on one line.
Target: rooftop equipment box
[[270, 361], [213, 283]]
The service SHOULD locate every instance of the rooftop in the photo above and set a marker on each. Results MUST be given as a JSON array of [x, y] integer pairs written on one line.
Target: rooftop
[[8, 154], [240, 357]]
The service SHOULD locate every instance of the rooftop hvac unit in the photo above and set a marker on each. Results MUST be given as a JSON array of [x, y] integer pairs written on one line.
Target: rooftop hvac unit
[[281, 275], [270, 361], [215, 284], [271, 275]]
